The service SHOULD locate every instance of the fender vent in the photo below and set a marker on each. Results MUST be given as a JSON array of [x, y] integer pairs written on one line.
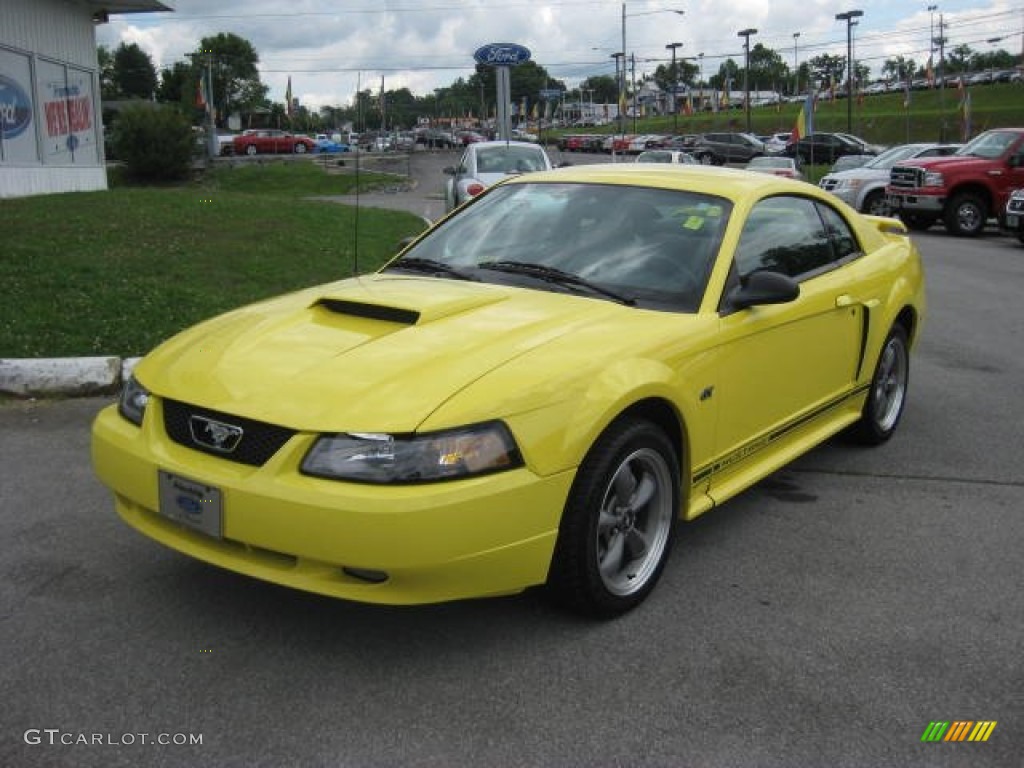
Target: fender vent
[[370, 311]]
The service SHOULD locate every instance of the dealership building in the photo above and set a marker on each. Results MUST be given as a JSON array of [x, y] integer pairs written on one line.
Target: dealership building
[[51, 131]]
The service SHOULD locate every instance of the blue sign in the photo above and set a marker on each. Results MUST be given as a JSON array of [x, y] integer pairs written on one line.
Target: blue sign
[[502, 55], [551, 94], [15, 108]]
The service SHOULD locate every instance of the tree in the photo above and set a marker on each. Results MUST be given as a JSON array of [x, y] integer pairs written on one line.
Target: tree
[[685, 74], [959, 59], [899, 68], [236, 80], [132, 72], [767, 69], [155, 142], [605, 89], [178, 85], [827, 69], [105, 59], [727, 75]]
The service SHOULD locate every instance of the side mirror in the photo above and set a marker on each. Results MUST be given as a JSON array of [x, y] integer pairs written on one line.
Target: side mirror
[[448, 170], [764, 287], [405, 242]]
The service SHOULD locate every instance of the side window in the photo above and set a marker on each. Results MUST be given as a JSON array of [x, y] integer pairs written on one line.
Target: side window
[[844, 243], [784, 234]]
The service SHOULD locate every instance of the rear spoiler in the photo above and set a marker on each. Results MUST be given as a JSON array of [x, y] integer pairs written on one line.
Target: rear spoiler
[[888, 226]]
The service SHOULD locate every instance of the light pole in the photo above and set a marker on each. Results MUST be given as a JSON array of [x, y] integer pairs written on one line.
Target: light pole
[[931, 39], [620, 76], [940, 73], [848, 17], [675, 85], [796, 69], [622, 82], [745, 34], [700, 79]]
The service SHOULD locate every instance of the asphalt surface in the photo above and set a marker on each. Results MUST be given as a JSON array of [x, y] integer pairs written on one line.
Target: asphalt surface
[[823, 618]]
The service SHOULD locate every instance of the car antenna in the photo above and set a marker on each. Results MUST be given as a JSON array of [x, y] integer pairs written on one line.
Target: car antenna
[[355, 219]]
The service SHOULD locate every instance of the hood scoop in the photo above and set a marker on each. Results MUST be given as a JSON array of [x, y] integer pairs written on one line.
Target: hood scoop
[[370, 311]]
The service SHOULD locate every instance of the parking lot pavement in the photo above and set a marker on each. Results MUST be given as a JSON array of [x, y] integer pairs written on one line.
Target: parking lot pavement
[[825, 617]]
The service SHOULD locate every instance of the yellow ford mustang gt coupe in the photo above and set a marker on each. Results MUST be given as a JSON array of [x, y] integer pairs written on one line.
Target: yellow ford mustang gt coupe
[[531, 393]]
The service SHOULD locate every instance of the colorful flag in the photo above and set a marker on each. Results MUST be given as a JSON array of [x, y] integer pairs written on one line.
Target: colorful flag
[[201, 94], [805, 120], [966, 107], [288, 98]]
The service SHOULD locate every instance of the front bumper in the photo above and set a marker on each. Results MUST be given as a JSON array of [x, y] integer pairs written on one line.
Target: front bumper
[[482, 536], [916, 200]]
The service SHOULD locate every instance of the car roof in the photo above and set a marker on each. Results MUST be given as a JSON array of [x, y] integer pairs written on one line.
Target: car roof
[[730, 183]]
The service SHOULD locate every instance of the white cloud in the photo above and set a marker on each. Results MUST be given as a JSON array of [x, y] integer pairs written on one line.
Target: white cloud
[[329, 47]]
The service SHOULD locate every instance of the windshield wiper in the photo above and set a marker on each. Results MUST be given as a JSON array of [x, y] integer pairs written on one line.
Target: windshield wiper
[[554, 275], [416, 264]]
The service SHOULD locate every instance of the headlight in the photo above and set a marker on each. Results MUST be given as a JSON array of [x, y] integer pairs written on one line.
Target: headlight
[[422, 458], [933, 179], [134, 398]]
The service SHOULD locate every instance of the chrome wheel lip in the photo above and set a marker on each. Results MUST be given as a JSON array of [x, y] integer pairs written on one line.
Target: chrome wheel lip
[[889, 388], [649, 522]]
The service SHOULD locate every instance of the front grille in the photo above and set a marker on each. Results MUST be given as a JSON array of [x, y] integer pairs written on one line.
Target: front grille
[[828, 184], [906, 176], [259, 440]]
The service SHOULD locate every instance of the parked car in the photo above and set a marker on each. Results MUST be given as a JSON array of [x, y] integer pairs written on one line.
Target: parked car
[[965, 189], [530, 394], [266, 140], [864, 187], [436, 139], [485, 162], [819, 148], [673, 156], [469, 137], [720, 148], [775, 144], [329, 146], [1013, 219], [775, 165]]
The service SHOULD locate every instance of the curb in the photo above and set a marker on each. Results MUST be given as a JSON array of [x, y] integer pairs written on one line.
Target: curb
[[64, 376]]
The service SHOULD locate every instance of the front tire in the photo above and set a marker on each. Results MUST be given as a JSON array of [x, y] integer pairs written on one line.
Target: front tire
[[875, 204], [618, 523], [250, 150], [916, 221], [300, 148], [966, 215], [888, 393]]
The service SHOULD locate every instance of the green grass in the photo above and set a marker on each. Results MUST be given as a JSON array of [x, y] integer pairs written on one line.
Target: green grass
[[116, 272]]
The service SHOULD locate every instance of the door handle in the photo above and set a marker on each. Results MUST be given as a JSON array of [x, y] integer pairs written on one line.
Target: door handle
[[844, 300]]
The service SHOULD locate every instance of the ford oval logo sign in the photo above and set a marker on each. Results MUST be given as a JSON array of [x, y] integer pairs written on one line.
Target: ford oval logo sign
[[15, 108], [502, 55]]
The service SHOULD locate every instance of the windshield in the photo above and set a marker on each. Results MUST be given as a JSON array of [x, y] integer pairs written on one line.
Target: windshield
[[989, 145], [649, 247], [510, 159]]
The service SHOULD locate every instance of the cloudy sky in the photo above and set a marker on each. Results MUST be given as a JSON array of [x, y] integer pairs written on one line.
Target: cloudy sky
[[328, 47]]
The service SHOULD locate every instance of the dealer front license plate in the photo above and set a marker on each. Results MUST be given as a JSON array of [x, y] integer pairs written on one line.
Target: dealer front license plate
[[895, 201], [1012, 221], [197, 505]]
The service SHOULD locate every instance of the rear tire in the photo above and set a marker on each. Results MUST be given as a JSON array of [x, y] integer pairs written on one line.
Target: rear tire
[[250, 150], [618, 523], [300, 148], [888, 394]]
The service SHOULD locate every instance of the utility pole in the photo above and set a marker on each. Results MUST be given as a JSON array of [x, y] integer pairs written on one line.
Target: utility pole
[[941, 75], [675, 86]]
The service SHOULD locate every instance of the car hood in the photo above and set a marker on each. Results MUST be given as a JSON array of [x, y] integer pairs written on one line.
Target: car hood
[[853, 174], [377, 353], [965, 162]]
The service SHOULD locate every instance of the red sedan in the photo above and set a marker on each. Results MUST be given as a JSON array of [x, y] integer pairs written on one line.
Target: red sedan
[[268, 141]]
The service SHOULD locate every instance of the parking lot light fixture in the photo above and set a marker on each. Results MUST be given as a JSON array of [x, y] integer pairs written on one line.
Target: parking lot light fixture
[[849, 17], [745, 34]]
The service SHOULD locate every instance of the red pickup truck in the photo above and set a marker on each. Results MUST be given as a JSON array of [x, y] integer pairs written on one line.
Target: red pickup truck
[[965, 189]]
